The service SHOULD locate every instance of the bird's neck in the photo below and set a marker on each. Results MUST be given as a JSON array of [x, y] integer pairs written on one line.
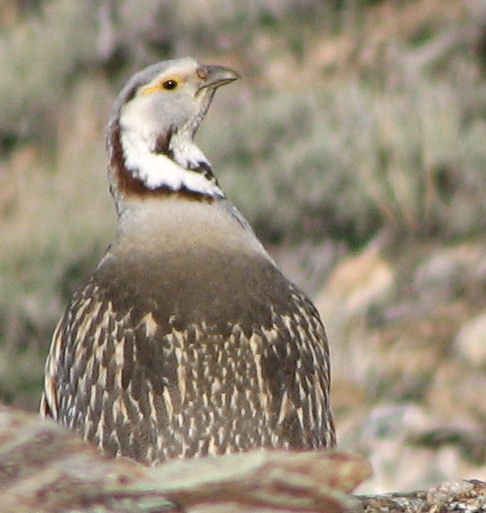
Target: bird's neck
[[160, 227], [144, 164]]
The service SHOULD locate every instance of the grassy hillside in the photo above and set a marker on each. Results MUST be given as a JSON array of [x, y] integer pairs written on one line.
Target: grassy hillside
[[355, 145]]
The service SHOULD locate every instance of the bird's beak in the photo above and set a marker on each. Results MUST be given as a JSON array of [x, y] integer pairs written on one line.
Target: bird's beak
[[215, 76]]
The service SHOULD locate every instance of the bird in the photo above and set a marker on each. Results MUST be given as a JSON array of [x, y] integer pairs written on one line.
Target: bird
[[186, 340]]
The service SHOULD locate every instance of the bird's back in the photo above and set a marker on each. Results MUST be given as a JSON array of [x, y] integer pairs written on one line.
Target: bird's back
[[205, 349]]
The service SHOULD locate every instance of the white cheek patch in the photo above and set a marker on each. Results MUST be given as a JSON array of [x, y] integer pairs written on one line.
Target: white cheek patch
[[157, 170]]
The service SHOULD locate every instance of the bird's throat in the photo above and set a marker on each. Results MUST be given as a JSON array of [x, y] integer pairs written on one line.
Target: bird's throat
[[160, 165]]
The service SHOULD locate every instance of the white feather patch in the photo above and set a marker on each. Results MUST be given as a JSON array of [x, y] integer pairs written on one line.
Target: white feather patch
[[157, 170]]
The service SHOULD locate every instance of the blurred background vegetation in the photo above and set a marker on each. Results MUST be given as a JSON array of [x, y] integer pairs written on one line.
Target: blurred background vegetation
[[356, 146]]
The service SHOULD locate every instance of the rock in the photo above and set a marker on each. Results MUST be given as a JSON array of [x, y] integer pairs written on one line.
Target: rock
[[355, 283], [443, 274], [458, 496], [470, 341]]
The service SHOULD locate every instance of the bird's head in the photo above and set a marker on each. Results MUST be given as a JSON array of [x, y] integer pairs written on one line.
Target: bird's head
[[150, 135]]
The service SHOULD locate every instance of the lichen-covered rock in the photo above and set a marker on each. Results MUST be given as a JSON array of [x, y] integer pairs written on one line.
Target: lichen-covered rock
[[450, 497]]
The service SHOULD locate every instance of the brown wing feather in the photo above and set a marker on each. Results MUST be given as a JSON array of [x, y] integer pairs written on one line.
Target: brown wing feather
[[296, 366], [141, 378], [49, 400]]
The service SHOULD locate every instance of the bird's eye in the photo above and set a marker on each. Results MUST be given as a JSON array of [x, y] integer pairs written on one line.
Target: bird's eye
[[169, 84]]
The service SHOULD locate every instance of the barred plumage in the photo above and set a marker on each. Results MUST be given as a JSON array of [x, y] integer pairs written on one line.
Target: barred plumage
[[186, 340]]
